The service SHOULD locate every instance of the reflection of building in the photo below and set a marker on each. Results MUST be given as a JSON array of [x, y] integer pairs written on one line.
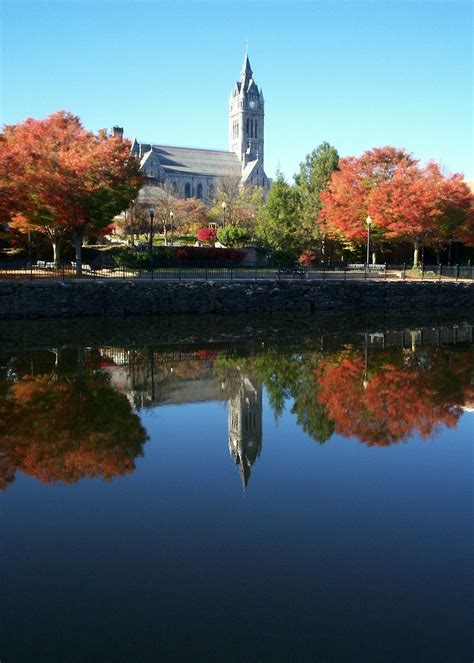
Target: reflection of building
[[245, 426], [151, 379]]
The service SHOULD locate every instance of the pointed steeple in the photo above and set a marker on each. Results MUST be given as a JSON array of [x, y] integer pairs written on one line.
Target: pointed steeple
[[246, 72]]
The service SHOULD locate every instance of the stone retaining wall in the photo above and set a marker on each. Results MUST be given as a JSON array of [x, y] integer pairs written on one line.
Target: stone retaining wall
[[67, 299]]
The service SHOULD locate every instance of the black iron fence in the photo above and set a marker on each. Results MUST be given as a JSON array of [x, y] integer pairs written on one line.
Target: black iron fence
[[47, 270]]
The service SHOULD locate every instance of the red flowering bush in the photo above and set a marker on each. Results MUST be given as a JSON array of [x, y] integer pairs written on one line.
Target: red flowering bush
[[207, 234]]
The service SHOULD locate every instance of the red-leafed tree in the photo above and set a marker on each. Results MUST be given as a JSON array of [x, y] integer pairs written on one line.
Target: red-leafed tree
[[346, 202], [421, 206], [56, 177], [465, 233]]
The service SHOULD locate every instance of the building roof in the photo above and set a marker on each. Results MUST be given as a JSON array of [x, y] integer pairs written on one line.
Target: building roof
[[248, 170], [179, 160]]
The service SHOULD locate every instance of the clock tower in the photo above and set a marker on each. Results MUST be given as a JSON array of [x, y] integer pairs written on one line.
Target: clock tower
[[246, 125]]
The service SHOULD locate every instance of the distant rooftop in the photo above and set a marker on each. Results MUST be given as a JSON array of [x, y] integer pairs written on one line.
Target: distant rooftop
[[192, 160]]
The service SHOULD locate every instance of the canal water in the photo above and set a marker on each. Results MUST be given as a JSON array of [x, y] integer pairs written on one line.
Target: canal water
[[256, 497]]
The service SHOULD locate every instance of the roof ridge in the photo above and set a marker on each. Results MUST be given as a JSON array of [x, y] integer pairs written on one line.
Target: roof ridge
[[193, 149]]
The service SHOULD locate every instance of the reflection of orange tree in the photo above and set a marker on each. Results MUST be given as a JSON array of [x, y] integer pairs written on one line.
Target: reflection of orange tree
[[393, 403], [60, 429]]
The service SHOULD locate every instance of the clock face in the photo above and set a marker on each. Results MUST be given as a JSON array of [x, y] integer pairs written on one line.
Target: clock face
[[252, 104]]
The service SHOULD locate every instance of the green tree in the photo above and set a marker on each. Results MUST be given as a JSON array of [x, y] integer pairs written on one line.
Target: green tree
[[277, 225], [311, 180]]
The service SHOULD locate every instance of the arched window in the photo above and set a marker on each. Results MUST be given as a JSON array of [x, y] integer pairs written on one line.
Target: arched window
[[187, 190], [199, 191], [211, 191], [248, 131], [256, 129]]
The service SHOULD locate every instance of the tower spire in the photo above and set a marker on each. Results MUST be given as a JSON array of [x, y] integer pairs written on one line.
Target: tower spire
[[246, 68]]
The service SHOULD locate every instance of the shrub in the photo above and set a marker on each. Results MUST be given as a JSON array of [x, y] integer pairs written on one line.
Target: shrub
[[207, 234], [233, 236], [283, 257], [187, 256], [307, 258], [193, 255]]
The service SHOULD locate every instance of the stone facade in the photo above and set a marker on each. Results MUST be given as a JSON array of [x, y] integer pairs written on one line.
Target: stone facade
[[82, 298], [195, 173]]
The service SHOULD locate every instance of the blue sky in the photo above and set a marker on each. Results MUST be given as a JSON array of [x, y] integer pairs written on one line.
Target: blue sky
[[357, 74]]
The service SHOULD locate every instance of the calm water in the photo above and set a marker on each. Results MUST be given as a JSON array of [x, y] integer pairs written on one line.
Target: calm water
[[255, 500]]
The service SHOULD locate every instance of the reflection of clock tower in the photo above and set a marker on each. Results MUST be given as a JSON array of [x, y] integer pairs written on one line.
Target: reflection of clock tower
[[245, 426], [246, 124]]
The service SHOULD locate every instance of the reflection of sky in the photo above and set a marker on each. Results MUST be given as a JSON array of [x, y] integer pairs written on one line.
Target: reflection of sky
[[333, 549]]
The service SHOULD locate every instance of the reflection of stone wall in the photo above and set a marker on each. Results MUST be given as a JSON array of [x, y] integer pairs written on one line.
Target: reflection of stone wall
[[119, 298]]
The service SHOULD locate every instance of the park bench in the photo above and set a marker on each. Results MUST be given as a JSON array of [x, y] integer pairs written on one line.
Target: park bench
[[85, 266], [296, 271], [43, 264]]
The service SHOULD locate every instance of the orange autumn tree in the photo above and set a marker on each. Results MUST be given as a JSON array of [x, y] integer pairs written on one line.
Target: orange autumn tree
[[190, 214], [347, 198], [421, 206], [386, 405], [56, 177]]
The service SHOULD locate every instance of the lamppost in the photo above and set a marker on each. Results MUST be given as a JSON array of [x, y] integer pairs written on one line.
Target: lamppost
[[368, 222], [224, 207], [29, 247], [366, 362], [171, 225], [150, 246]]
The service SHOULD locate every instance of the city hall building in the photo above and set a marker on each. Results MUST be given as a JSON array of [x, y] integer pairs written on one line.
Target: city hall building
[[195, 173]]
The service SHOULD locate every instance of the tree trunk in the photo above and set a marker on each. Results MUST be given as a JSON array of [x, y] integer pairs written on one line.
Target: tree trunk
[[374, 258], [80, 361], [416, 255], [56, 244], [78, 237]]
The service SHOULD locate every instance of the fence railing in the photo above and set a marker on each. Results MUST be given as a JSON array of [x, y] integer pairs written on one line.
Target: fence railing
[[47, 270]]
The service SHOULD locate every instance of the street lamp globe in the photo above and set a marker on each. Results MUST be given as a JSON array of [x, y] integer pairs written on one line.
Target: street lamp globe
[[368, 222]]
